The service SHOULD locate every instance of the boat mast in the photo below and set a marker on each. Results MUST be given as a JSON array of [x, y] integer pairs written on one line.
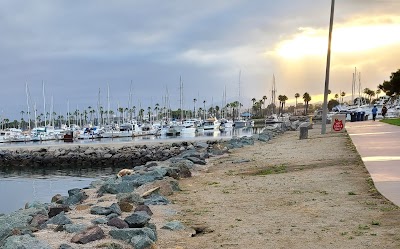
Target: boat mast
[[44, 104], [273, 92], [27, 103], [108, 103], [68, 119], [240, 73], [99, 121], [181, 96]]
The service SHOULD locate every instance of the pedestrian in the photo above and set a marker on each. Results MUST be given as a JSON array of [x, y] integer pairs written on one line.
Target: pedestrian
[[384, 111], [374, 112]]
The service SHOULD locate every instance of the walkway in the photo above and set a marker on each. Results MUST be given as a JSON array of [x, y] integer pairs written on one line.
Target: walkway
[[379, 147]]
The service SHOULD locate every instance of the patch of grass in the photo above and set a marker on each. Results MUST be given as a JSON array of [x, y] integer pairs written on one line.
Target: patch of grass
[[392, 121], [363, 227], [278, 169], [351, 193], [375, 223], [212, 183], [323, 192]]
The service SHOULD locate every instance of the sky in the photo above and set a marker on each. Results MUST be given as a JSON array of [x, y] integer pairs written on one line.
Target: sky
[[136, 53]]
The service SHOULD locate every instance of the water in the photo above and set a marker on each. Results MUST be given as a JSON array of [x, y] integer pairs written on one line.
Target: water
[[198, 136], [15, 192], [19, 186]]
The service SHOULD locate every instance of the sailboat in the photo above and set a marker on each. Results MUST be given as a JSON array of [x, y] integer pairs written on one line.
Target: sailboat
[[240, 123]]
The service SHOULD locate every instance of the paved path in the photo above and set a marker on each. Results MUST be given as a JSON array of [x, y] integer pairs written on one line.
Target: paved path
[[379, 147]]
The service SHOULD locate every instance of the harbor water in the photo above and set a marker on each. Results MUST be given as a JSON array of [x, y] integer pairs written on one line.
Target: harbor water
[[22, 186]]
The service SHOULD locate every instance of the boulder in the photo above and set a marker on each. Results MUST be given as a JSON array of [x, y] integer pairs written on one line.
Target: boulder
[[173, 225], [127, 234], [90, 234], [118, 223], [24, 242], [137, 220]]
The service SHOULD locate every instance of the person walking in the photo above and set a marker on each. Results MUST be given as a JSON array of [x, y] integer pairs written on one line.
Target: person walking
[[374, 112], [384, 111]]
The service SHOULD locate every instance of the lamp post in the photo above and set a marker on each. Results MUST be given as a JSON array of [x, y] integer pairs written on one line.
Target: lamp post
[[328, 62]]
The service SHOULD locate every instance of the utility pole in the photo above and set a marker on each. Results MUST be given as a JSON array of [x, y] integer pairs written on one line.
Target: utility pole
[[328, 64]]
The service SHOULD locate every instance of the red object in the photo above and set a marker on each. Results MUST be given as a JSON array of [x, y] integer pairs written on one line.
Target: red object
[[338, 125]]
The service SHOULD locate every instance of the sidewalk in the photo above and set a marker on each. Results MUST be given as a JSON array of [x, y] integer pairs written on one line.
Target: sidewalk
[[379, 147]]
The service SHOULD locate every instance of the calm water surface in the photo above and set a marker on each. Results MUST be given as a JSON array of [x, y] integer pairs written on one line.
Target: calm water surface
[[22, 186]]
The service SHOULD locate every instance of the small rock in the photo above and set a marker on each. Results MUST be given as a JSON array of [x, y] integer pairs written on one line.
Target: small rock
[[90, 234]]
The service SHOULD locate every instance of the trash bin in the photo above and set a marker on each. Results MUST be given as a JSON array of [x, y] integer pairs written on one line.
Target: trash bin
[[358, 116], [362, 116], [366, 117], [353, 117], [303, 132]]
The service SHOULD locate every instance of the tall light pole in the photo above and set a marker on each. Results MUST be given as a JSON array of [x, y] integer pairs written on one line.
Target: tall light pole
[[328, 64]]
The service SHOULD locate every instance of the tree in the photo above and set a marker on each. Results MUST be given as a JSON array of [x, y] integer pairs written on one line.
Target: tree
[[307, 99], [296, 96], [370, 93], [391, 87], [377, 93], [332, 103], [342, 94], [194, 107], [282, 99], [264, 98], [337, 97]]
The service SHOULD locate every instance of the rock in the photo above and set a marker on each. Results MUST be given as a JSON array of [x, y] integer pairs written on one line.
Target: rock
[[156, 199], [53, 211], [10, 221], [57, 198], [133, 198], [74, 228], [115, 209], [99, 221], [112, 215], [24, 242], [173, 225], [59, 219], [65, 246], [141, 242], [118, 223], [125, 206], [137, 219], [90, 234], [196, 160], [39, 220], [100, 210], [144, 208], [127, 234]]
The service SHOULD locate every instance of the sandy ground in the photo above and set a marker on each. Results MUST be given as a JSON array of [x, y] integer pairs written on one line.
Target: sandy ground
[[312, 193]]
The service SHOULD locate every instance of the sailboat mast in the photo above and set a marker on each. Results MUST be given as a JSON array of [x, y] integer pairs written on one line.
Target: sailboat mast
[[240, 74], [27, 103], [44, 104], [108, 103], [180, 96], [273, 99]]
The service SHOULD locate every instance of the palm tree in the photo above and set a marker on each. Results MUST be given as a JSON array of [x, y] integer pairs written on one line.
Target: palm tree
[[204, 109], [337, 96], [342, 94], [156, 109], [253, 100], [296, 96], [149, 112], [377, 93], [306, 98], [194, 107], [282, 99], [217, 111], [90, 109], [264, 100]]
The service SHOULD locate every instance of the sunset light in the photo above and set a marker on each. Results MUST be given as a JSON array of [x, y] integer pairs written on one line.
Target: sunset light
[[358, 36]]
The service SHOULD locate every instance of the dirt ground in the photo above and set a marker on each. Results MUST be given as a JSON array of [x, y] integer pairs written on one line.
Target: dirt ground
[[287, 193]]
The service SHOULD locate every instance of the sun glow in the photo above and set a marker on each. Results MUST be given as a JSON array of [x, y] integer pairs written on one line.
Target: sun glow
[[349, 38]]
